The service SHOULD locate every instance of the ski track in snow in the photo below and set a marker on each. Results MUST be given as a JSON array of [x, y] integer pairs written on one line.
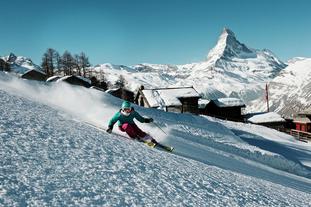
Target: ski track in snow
[[47, 159]]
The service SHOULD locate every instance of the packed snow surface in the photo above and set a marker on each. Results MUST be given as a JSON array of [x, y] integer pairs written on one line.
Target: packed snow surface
[[55, 152], [265, 118]]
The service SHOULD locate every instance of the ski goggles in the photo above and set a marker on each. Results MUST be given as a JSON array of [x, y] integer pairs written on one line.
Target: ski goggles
[[127, 109]]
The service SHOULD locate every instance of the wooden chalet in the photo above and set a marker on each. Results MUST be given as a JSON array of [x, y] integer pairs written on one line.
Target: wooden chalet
[[223, 108], [122, 93], [75, 80], [302, 131], [180, 100], [4, 66], [34, 75], [268, 119], [303, 122]]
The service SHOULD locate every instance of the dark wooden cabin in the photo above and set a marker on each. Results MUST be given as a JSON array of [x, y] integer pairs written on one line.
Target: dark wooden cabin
[[4, 66], [179, 100], [34, 75], [76, 80], [122, 93], [224, 108], [269, 119]]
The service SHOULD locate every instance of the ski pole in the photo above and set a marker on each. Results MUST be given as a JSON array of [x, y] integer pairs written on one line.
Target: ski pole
[[159, 127]]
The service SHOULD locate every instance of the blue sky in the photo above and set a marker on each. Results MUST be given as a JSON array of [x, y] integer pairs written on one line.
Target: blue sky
[[155, 31]]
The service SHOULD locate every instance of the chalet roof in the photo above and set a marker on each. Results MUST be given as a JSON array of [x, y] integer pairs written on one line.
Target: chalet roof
[[229, 102], [304, 120], [116, 89], [306, 113], [203, 102], [52, 78], [34, 70], [265, 118], [169, 96], [74, 76], [75, 80]]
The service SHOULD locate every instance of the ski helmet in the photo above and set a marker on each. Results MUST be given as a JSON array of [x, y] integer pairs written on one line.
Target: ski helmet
[[126, 105]]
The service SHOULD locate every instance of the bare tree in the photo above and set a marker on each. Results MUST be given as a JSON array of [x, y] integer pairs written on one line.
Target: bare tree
[[84, 63], [45, 63], [77, 64], [67, 62], [49, 61], [120, 82]]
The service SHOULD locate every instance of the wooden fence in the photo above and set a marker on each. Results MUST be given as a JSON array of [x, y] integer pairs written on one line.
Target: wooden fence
[[301, 136]]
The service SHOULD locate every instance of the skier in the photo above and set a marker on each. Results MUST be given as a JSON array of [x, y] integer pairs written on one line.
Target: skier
[[125, 118]]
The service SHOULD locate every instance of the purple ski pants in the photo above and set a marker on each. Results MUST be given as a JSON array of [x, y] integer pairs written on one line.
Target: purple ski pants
[[132, 130]]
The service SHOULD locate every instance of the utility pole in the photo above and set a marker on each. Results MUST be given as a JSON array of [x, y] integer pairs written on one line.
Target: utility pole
[[267, 97]]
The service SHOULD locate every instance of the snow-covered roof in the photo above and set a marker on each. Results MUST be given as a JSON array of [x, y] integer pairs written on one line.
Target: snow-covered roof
[[168, 96], [305, 112], [266, 118], [112, 90], [228, 102], [53, 78], [302, 120], [85, 79], [203, 102], [39, 71], [69, 76]]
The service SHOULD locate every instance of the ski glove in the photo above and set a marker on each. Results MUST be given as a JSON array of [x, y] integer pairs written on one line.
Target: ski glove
[[109, 130], [148, 120]]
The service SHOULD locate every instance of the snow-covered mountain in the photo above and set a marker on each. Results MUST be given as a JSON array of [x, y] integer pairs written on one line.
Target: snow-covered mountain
[[290, 91], [20, 64], [50, 156], [231, 69]]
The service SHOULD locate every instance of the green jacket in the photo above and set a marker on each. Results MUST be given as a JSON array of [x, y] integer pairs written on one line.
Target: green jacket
[[121, 119]]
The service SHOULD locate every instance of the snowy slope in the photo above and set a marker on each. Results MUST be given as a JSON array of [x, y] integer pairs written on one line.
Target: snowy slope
[[290, 91], [50, 157]]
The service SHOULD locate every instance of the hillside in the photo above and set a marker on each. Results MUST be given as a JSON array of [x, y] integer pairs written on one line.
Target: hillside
[[290, 91], [51, 157]]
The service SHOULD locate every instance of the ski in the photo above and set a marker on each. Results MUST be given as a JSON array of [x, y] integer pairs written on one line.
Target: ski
[[149, 144], [164, 147]]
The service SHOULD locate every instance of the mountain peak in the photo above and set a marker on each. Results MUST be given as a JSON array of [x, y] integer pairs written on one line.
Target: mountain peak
[[228, 47], [228, 32]]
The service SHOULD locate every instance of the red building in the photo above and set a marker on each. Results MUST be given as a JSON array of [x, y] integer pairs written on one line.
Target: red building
[[303, 122]]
